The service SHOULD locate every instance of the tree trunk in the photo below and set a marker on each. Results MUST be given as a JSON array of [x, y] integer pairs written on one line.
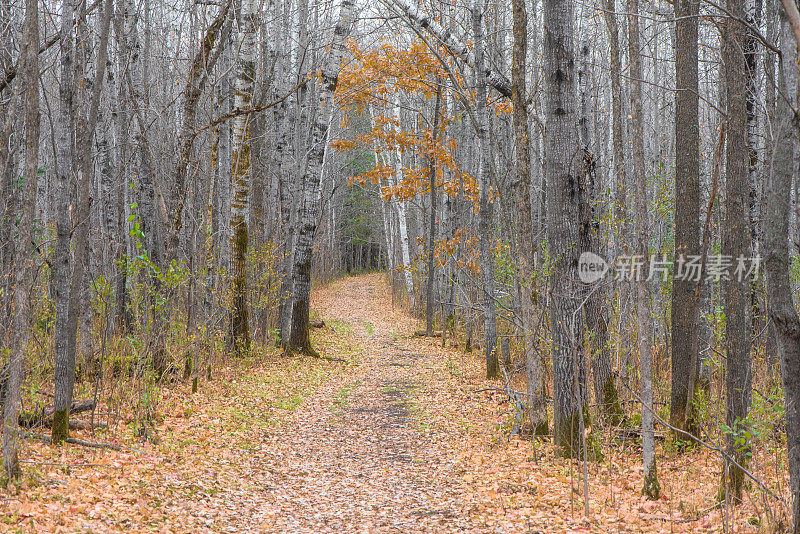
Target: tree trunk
[[736, 244], [301, 269], [26, 257], [685, 315], [537, 409], [563, 166], [61, 271], [777, 195], [240, 177], [429, 303], [405, 248], [485, 200], [617, 134], [651, 488]]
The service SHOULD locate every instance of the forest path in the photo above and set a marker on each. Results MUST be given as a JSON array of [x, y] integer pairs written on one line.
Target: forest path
[[404, 436], [355, 457]]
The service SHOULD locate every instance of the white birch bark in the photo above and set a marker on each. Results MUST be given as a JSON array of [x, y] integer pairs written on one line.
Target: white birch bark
[[301, 271], [400, 205], [240, 175]]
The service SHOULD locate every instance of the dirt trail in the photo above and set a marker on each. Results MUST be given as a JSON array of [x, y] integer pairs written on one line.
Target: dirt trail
[[354, 459]]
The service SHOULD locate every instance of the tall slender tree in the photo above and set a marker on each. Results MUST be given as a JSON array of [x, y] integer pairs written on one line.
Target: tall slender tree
[[777, 195], [25, 254], [240, 175], [563, 168], [685, 309], [537, 409], [651, 487], [486, 201], [61, 267], [301, 268], [736, 244]]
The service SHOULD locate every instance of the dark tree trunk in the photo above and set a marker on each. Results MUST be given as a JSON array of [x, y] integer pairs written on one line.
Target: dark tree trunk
[[736, 243], [685, 315]]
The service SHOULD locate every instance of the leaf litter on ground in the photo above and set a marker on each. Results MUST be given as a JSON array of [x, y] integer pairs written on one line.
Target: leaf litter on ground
[[397, 439]]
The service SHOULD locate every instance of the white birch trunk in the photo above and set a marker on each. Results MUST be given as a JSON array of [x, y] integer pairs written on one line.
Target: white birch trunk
[[301, 269]]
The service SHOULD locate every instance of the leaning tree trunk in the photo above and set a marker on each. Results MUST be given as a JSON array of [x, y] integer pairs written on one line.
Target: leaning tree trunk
[[301, 269], [25, 254], [534, 370], [203, 62], [651, 488], [685, 315], [736, 244], [485, 200], [777, 195], [563, 165], [240, 177]]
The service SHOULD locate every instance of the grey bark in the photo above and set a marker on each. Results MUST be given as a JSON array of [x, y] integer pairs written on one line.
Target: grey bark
[[777, 195], [651, 488], [61, 266], [25, 253], [563, 169], [485, 199], [534, 370]]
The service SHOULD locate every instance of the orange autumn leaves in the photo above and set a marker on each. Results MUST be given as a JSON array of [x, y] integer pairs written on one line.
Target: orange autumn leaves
[[376, 84]]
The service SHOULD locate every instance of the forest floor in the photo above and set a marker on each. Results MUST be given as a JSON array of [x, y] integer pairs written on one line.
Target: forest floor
[[402, 436]]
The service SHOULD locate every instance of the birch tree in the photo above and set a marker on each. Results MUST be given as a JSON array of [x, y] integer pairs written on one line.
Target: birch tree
[[240, 175], [301, 268]]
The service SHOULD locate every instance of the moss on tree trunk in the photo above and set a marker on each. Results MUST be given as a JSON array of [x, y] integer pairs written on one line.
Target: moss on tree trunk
[[240, 330], [60, 426], [651, 488], [610, 405]]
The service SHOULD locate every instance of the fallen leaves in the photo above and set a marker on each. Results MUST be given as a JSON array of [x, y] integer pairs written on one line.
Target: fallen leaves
[[394, 440]]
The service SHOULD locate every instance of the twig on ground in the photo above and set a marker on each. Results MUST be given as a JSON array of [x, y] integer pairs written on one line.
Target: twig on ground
[[76, 441]]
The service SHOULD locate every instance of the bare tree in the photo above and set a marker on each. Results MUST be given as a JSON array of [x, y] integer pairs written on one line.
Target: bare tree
[[301, 268], [563, 168], [25, 253], [685, 310]]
